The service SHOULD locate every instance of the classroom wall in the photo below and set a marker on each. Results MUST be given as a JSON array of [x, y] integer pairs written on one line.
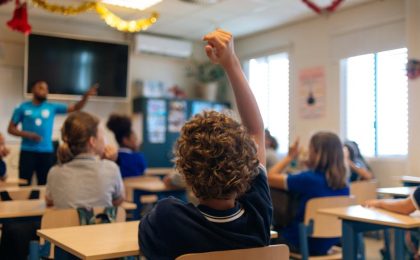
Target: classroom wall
[[142, 66], [322, 42]]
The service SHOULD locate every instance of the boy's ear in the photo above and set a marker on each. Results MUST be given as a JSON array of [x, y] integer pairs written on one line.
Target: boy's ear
[[92, 141]]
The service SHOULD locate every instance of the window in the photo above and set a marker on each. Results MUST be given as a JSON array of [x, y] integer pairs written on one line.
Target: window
[[269, 81], [377, 102]]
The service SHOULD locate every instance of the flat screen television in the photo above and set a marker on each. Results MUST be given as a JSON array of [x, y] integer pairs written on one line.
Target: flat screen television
[[71, 66]]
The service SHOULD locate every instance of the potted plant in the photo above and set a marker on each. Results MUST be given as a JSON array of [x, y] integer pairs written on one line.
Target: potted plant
[[209, 78]]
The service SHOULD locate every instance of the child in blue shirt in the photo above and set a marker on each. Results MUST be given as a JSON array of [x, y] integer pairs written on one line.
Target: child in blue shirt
[[326, 176], [131, 162], [222, 162]]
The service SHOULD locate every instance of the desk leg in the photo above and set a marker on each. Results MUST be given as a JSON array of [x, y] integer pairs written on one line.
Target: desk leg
[[350, 240], [399, 243]]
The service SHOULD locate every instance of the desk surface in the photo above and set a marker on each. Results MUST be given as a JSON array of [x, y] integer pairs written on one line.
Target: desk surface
[[149, 184], [159, 171], [373, 216], [22, 208], [396, 191], [411, 179], [96, 241], [12, 182]]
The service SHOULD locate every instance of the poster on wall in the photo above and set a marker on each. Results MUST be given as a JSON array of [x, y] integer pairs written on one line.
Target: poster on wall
[[177, 115], [156, 121], [312, 99]]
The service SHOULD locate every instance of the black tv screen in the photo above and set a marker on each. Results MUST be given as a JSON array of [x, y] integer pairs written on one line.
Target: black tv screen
[[71, 66]]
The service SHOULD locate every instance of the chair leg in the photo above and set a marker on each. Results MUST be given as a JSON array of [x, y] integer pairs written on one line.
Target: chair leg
[[361, 247], [33, 250], [303, 241]]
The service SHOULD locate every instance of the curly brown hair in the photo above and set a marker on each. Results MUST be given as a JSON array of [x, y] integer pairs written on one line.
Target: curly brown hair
[[216, 156]]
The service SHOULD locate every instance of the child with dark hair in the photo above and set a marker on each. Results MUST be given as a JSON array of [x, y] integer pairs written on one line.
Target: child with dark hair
[[326, 176], [4, 151], [271, 146], [222, 161], [131, 162], [359, 169]]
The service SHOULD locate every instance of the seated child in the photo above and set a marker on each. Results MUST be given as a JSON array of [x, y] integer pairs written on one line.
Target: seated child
[[83, 179], [222, 162], [326, 176], [359, 169], [132, 163], [4, 151]]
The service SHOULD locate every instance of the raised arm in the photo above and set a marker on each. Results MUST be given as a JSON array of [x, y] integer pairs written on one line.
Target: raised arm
[[79, 105], [220, 49], [276, 175]]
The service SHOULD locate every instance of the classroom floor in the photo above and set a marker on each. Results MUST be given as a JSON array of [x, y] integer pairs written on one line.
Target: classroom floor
[[372, 248]]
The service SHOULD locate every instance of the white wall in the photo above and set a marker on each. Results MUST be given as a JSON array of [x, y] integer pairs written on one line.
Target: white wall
[[142, 66], [322, 41]]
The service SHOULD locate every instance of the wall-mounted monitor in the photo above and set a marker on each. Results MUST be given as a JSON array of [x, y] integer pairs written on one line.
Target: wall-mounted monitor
[[71, 66]]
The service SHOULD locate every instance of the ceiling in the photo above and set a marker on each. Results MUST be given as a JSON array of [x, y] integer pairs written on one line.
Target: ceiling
[[191, 21]]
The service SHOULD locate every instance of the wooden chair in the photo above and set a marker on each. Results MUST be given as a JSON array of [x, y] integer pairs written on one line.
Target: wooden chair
[[363, 190], [22, 193], [273, 252], [321, 226], [59, 218]]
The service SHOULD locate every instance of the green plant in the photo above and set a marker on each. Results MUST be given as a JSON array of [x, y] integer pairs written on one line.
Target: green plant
[[206, 72]]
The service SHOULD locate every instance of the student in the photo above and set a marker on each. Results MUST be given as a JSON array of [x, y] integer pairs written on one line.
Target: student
[[403, 206], [37, 119], [4, 151], [83, 179], [359, 169], [131, 162], [326, 177], [223, 162], [271, 146]]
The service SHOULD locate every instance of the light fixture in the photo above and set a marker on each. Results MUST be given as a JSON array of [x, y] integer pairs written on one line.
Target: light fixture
[[134, 4]]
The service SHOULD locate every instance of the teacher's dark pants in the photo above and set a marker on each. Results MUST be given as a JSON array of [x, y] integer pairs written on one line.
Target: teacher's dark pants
[[40, 163]]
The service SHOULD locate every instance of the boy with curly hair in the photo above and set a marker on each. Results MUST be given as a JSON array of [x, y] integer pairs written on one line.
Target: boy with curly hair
[[223, 162]]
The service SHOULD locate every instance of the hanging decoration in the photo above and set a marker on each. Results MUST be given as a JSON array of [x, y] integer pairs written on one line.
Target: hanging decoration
[[4, 1], [66, 10], [413, 69], [325, 10], [19, 21], [122, 25]]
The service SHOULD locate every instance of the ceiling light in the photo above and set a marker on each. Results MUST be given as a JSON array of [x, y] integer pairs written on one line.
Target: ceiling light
[[134, 4]]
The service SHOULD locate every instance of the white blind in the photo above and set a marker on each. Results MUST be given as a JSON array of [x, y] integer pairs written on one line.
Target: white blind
[[269, 81]]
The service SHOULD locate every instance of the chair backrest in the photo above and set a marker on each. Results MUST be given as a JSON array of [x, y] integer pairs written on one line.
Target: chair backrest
[[273, 252], [363, 190], [325, 225], [56, 218], [23, 193]]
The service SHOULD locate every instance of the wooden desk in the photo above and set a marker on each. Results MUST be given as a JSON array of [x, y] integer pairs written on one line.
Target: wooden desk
[[10, 182], [396, 192], [357, 219], [142, 186], [33, 208], [159, 171], [21, 208], [94, 241], [410, 180]]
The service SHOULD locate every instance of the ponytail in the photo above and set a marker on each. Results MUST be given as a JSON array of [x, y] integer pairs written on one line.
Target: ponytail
[[64, 153]]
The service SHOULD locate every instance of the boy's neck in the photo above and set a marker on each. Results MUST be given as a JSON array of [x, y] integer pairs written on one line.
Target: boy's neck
[[218, 204]]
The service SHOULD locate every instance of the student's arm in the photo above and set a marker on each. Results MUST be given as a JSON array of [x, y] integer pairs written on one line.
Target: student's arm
[[276, 175], [79, 105], [220, 50], [402, 206], [49, 201], [363, 172]]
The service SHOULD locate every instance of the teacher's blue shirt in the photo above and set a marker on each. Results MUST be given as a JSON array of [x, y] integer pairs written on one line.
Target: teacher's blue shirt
[[38, 119]]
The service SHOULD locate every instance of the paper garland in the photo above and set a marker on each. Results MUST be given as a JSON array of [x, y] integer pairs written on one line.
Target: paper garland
[[110, 18], [122, 25], [66, 10], [329, 9]]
